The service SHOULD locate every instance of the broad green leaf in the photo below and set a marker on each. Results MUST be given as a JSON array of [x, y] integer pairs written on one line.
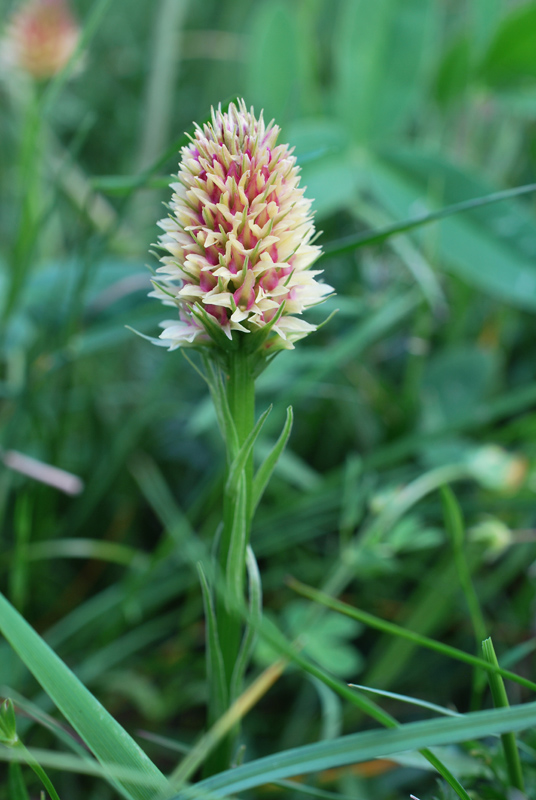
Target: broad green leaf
[[274, 64], [511, 57], [359, 747], [486, 18], [109, 742], [380, 64]]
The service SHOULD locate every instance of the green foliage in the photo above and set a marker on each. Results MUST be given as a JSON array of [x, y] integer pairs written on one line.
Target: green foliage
[[401, 114]]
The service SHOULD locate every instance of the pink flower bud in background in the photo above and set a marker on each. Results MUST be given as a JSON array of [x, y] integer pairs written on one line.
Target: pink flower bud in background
[[238, 237], [41, 37]]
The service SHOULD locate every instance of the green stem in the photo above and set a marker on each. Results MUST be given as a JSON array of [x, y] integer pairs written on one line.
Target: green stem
[[500, 700], [30, 201], [241, 399], [39, 771], [237, 514], [456, 528]]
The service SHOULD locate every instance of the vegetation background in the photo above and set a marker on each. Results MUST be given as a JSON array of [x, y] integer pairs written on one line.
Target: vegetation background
[[395, 108]]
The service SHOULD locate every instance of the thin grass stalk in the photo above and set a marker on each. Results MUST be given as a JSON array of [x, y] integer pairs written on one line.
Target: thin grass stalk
[[500, 700], [456, 529]]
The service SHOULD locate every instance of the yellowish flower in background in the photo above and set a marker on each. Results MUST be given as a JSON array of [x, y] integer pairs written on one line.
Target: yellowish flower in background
[[41, 37], [238, 239]]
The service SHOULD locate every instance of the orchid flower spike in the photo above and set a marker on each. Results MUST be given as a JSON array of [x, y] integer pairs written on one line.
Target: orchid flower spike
[[238, 240]]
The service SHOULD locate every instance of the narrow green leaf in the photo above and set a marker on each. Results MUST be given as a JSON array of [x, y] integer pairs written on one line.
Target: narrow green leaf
[[215, 667], [110, 743], [456, 529], [266, 469], [237, 547], [239, 463], [16, 786], [366, 745], [500, 700], [88, 548], [8, 724], [416, 262], [374, 237], [226, 422], [453, 516], [445, 773], [39, 771], [396, 630], [84, 766], [312, 791], [501, 238], [404, 698], [273, 636], [255, 614]]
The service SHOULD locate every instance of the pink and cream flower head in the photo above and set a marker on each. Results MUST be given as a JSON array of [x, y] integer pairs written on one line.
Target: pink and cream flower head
[[238, 239]]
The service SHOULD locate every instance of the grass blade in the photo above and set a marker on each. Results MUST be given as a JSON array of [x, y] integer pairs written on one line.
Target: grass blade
[[404, 698], [109, 742], [455, 527], [396, 630], [500, 700], [364, 746], [375, 237]]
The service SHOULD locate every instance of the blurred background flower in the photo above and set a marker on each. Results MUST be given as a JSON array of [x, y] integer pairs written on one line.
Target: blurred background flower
[[40, 38]]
